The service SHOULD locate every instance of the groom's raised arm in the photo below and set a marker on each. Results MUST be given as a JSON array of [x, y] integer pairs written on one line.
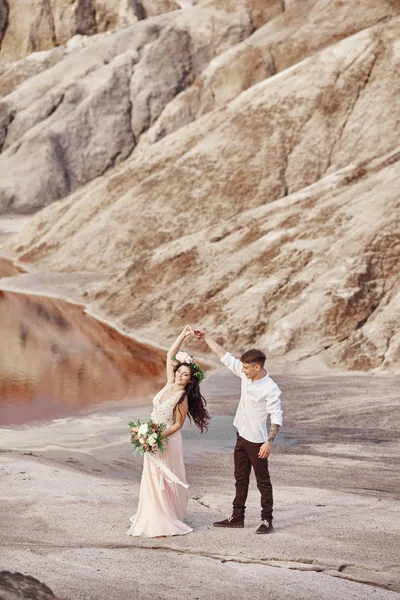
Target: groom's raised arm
[[225, 357], [212, 344]]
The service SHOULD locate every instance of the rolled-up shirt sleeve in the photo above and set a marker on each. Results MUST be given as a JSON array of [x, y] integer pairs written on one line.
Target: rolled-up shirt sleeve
[[232, 363], [274, 405]]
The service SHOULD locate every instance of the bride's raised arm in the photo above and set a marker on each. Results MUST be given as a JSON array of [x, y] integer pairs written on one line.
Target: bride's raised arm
[[186, 332]]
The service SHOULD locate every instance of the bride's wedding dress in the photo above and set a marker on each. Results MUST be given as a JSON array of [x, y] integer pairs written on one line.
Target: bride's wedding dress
[[164, 492]]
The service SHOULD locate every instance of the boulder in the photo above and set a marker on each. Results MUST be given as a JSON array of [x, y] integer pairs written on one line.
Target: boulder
[[16, 586]]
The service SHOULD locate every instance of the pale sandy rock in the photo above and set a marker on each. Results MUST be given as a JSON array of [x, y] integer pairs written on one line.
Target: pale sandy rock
[[261, 11], [304, 28], [111, 15], [41, 26], [185, 3], [70, 123], [149, 91], [34, 26], [152, 9], [43, 122], [103, 110], [270, 220], [12, 75], [114, 15]]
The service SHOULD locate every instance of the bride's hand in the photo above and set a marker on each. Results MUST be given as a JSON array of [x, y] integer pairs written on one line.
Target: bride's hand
[[187, 331]]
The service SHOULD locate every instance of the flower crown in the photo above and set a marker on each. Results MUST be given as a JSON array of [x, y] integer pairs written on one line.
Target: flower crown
[[184, 357]]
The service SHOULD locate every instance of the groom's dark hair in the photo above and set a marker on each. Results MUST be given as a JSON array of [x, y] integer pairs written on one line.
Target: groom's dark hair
[[253, 356]]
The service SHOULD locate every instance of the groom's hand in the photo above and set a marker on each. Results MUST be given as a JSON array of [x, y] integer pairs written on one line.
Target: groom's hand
[[265, 450], [199, 333]]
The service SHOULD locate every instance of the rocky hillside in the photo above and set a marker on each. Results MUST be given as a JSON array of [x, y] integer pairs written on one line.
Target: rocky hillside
[[35, 26], [234, 164]]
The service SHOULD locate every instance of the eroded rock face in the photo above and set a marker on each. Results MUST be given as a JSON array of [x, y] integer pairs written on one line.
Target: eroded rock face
[[15, 586], [264, 212], [36, 26], [65, 115], [301, 30], [73, 121], [269, 221]]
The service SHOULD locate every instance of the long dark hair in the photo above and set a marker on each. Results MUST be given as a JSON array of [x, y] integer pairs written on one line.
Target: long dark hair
[[196, 401]]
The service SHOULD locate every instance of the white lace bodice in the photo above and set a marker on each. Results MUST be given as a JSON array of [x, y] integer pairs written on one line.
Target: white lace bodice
[[163, 405]]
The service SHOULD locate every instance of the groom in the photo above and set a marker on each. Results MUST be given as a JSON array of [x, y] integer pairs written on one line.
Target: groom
[[259, 397]]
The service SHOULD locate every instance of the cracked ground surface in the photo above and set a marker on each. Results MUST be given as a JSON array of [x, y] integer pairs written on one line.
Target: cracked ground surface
[[69, 487]]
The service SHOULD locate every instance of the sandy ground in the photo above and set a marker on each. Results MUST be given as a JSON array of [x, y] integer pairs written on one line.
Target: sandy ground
[[68, 488]]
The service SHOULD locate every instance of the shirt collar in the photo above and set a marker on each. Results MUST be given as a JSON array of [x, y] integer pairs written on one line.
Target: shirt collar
[[266, 374]]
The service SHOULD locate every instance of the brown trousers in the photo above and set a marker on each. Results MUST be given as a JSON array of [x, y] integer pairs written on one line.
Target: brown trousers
[[246, 456]]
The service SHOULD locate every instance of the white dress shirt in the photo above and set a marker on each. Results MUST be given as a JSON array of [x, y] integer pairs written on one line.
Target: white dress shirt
[[258, 399]]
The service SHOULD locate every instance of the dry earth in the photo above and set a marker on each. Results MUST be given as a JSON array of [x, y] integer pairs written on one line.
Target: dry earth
[[69, 486]]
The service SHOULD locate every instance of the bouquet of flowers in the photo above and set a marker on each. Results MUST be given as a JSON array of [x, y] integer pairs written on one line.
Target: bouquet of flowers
[[146, 437]]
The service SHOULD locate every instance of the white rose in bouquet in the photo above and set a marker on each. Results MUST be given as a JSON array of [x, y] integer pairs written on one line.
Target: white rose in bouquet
[[143, 429], [151, 440]]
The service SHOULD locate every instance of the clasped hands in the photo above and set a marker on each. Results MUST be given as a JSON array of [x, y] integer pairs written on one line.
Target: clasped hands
[[188, 330]]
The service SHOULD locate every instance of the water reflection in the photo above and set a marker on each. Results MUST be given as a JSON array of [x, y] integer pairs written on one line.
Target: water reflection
[[54, 358]]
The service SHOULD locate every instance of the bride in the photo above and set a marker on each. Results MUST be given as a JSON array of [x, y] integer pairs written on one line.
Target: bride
[[164, 495]]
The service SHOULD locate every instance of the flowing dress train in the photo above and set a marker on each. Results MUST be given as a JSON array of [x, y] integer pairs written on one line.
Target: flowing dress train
[[164, 495]]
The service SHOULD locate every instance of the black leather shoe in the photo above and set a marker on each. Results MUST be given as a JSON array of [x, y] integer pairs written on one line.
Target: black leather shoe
[[232, 522], [265, 527]]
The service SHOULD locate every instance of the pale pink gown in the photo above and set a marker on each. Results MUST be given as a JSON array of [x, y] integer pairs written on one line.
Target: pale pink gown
[[164, 495]]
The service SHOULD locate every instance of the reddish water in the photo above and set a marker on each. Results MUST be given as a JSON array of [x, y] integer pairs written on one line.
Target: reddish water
[[55, 360]]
